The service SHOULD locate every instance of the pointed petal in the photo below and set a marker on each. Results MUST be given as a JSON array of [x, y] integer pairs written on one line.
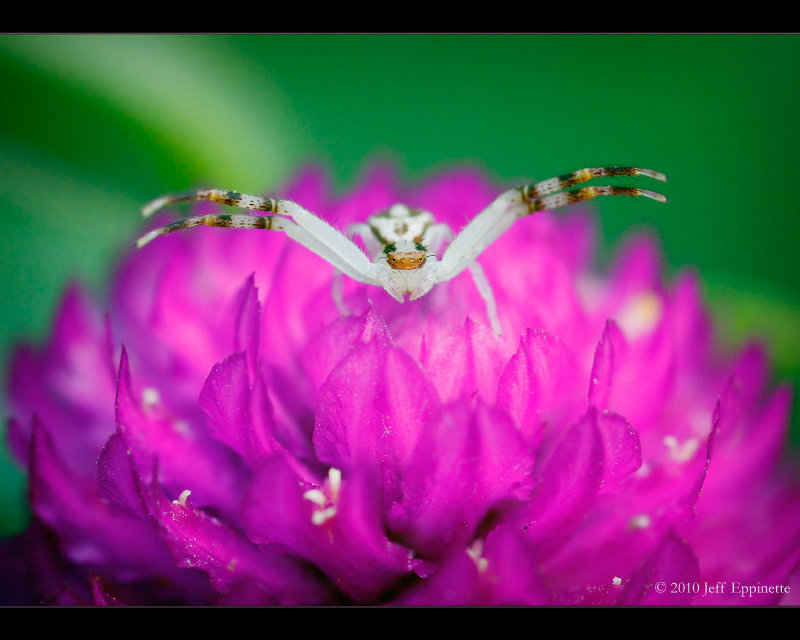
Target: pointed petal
[[622, 451], [116, 483], [512, 570], [539, 385], [248, 323], [349, 544], [372, 409], [239, 411], [89, 533], [609, 349], [200, 541], [568, 483], [467, 465], [331, 345], [188, 458], [466, 363], [669, 577], [455, 583]]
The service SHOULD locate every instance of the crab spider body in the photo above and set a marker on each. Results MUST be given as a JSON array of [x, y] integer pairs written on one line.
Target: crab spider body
[[403, 241]]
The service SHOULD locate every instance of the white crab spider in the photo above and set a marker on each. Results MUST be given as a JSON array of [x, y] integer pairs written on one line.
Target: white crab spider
[[404, 241]]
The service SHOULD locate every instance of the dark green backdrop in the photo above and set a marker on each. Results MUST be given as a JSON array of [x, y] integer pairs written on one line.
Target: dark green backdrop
[[93, 126]]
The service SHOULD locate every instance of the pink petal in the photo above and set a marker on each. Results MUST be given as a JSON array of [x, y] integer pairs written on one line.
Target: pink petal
[[567, 485], [372, 409], [467, 465], [669, 577], [539, 386]]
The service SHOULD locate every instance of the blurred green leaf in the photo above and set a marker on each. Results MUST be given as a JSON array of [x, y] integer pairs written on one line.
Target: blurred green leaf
[[758, 314], [208, 110], [748, 311]]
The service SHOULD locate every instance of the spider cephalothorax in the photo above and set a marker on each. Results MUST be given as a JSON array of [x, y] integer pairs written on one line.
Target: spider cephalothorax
[[402, 240]]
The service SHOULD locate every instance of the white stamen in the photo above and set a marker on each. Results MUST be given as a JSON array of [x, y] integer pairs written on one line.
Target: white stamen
[[316, 496], [334, 483], [617, 581], [182, 498], [320, 517], [681, 452]]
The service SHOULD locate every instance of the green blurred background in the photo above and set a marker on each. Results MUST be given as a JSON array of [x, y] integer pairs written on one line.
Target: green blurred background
[[94, 126]]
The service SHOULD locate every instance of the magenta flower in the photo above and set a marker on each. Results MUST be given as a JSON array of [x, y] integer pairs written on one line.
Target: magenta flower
[[226, 435]]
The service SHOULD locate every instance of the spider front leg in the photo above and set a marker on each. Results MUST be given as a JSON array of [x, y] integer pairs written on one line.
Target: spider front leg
[[299, 224], [435, 237], [516, 203]]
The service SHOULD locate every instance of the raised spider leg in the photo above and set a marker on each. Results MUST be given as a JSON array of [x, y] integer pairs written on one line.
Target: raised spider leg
[[560, 183], [565, 198], [493, 221], [437, 235], [304, 227], [223, 196]]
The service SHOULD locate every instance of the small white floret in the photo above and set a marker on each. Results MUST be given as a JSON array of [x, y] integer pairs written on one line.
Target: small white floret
[[150, 397], [475, 551], [681, 452], [326, 498], [182, 498], [640, 314], [642, 521]]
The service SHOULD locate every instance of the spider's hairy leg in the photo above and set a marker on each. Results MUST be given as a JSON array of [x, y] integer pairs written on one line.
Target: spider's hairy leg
[[329, 243], [223, 196], [493, 221], [304, 227], [437, 235], [568, 180], [565, 198], [364, 232], [233, 221], [270, 223], [481, 231]]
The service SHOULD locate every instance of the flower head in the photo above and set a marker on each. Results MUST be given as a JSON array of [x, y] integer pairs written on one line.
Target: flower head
[[225, 434]]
